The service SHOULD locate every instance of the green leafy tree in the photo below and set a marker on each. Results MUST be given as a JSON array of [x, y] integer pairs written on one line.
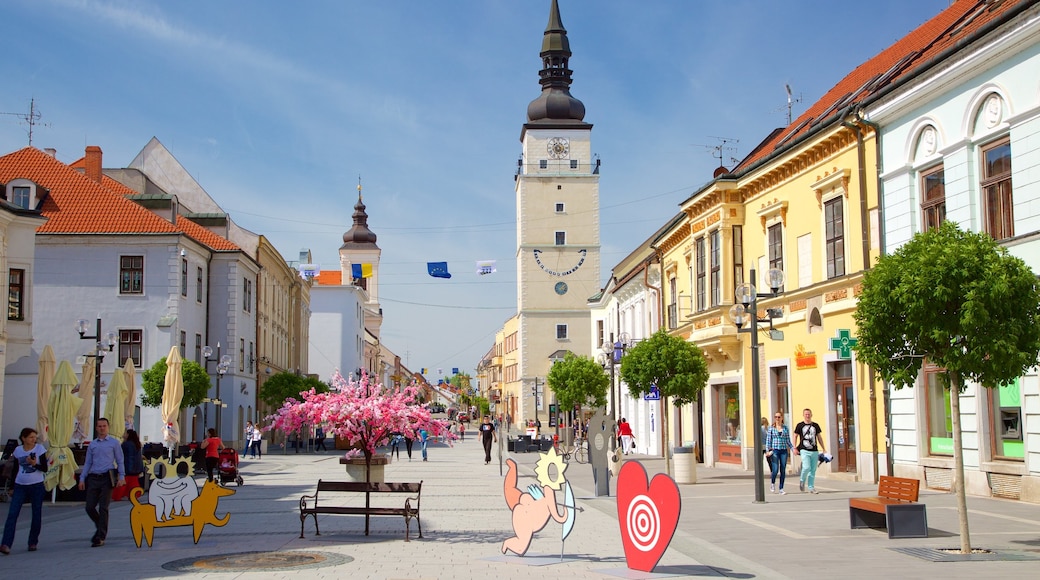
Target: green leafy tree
[[461, 381], [578, 381], [282, 386], [675, 366], [963, 303], [196, 384]]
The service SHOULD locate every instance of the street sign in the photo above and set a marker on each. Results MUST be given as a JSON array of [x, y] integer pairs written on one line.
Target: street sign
[[653, 395]]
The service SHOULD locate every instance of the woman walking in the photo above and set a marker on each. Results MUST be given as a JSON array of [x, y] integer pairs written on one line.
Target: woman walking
[[134, 464], [778, 444], [212, 445], [31, 458]]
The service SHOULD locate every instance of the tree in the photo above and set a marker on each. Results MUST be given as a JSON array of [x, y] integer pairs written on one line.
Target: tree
[[282, 386], [675, 366], [196, 384], [578, 381], [461, 381], [963, 303]]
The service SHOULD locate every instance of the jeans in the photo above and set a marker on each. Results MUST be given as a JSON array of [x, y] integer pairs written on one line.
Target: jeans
[[99, 494], [810, 460], [254, 449], [34, 494], [423, 446], [778, 463]]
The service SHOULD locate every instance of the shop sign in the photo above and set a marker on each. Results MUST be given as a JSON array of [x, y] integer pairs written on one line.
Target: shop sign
[[804, 359]]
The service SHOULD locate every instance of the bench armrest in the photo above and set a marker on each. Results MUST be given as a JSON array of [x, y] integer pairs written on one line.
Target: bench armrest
[[303, 501]]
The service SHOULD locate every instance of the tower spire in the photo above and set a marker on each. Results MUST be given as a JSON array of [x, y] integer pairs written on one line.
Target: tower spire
[[555, 104]]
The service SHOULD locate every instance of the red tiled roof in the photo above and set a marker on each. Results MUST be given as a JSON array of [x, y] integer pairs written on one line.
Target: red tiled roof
[[329, 278], [75, 204], [950, 27]]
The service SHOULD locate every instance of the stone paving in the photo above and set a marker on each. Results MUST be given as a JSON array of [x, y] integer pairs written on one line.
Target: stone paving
[[721, 531]]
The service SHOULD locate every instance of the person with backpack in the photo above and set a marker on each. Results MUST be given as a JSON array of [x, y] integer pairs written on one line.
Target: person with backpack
[[809, 444]]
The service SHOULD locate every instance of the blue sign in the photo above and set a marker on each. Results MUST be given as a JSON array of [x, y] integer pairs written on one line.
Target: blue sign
[[653, 395]]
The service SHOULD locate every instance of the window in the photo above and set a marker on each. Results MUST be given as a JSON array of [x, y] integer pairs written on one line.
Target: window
[[933, 198], [673, 306], [834, 224], [241, 354], [574, 163], [782, 394], [16, 294], [184, 342], [21, 197], [198, 348], [561, 332], [729, 411], [184, 277], [198, 285], [738, 256], [542, 164], [559, 208], [561, 238], [247, 295], [252, 359], [699, 264], [1006, 434], [996, 189], [130, 346], [715, 281], [776, 247], [937, 402], [131, 275]]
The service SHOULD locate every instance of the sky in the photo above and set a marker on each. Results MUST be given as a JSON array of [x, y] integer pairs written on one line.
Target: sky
[[278, 108]]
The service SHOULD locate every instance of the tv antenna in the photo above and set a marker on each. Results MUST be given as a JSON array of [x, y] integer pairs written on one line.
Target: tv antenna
[[791, 100], [32, 118], [719, 151]]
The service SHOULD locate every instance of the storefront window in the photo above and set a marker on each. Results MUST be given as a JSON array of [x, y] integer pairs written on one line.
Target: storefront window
[[729, 406], [1006, 435], [940, 420]]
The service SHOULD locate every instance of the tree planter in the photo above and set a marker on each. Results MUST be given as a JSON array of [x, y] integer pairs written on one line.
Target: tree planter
[[356, 468]]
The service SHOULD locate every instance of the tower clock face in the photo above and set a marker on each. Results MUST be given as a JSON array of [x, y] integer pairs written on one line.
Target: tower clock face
[[561, 288], [559, 148]]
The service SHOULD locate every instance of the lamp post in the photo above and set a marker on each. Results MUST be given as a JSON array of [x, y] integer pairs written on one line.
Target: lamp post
[[618, 349], [223, 365], [747, 311], [100, 348], [534, 391]]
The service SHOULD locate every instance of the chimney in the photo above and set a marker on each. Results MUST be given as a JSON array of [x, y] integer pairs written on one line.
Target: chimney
[[92, 162], [51, 151]]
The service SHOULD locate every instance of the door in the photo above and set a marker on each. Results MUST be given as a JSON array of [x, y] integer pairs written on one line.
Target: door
[[845, 446]]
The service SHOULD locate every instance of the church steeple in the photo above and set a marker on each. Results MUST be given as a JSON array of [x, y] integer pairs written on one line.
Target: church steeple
[[555, 105], [359, 234]]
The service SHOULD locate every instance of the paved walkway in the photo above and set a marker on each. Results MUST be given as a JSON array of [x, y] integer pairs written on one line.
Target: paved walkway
[[721, 532]]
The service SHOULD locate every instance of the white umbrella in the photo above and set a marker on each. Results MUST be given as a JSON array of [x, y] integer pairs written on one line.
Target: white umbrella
[[43, 391], [62, 408], [86, 392], [173, 392], [115, 405], [131, 392]]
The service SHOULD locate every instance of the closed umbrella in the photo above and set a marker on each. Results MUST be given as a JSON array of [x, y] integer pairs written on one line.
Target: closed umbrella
[[43, 391], [131, 392], [115, 405], [61, 411], [85, 392], [173, 392]]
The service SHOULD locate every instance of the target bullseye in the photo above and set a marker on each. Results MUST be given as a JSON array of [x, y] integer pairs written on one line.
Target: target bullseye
[[644, 523]]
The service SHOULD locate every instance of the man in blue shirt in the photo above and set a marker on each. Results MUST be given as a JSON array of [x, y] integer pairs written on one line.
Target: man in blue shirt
[[103, 454]]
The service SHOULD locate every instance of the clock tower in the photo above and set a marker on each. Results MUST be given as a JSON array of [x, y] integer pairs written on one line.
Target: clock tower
[[557, 218]]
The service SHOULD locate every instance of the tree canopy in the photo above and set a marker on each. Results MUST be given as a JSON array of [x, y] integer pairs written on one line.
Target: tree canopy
[[677, 367], [283, 386], [578, 380], [196, 384], [956, 298]]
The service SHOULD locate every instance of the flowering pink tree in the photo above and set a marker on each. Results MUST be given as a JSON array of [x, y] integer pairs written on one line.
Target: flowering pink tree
[[362, 413]]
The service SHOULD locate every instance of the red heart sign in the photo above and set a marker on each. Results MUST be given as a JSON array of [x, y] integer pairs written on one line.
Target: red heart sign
[[648, 515]]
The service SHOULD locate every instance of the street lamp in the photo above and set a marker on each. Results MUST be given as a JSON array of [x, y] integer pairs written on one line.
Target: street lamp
[[747, 311], [223, 365], [534, 391], [101, 346]]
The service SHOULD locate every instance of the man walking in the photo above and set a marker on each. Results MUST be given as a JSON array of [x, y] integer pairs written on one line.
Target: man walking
[[809, 446], [104, 454], [487, 433]]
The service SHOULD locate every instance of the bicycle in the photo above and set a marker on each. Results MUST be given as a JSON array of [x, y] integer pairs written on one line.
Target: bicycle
[[579, 452]]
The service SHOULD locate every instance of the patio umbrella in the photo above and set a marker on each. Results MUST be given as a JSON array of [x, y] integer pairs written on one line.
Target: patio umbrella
[[115, 405], [43, 391], [173, 392], [131, 392], [61, 410], [86, 392]]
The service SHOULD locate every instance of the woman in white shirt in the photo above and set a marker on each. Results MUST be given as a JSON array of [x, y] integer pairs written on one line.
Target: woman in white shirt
[[28, 486]]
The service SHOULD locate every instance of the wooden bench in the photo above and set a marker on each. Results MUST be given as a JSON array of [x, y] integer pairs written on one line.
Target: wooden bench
[[310, 504], [895, 507]]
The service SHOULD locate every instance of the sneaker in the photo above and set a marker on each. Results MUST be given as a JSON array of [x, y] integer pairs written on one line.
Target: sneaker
[[782, 492], [772, 488], [5, 550], [801, 486], [813, 490]]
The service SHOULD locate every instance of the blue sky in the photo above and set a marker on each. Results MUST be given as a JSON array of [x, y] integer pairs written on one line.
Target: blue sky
[[277, 107]]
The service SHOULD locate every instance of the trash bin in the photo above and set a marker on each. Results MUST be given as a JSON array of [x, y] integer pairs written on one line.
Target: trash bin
[[685, 465]]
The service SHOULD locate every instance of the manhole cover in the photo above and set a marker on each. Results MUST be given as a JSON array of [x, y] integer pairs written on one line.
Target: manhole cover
[[934, 555], [257, 561]]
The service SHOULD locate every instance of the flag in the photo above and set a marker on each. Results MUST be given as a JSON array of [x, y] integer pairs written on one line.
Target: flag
[[438, 269], [361, 270], [454, 370], [423, 371], [485, 267]]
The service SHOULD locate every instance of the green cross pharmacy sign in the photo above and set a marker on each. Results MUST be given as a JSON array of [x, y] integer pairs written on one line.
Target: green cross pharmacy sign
[[844, 343]]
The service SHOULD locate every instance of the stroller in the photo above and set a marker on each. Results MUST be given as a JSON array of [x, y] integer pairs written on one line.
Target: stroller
[[8, 471], [227, 467]]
